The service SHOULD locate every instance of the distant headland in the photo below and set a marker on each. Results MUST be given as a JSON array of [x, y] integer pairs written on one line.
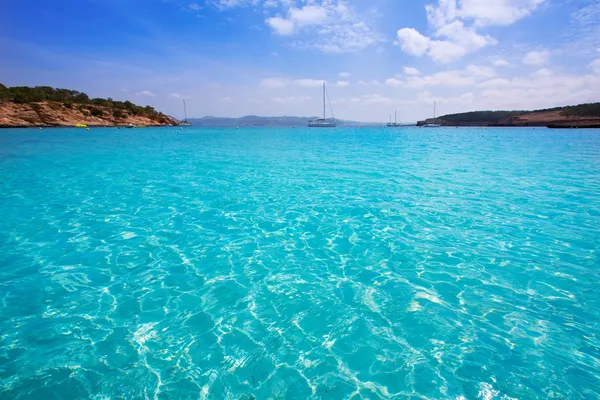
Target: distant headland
[[580, 116], [45, 106]]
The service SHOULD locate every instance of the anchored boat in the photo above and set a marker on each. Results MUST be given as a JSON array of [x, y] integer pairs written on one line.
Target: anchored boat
[[432, 125], [394, 124], [185, 122], [323, 122]]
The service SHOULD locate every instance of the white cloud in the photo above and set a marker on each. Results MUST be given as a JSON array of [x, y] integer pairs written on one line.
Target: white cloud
[[291, 99], [281, 26], [496, 12], [595, 65], [178, 96], [445, 78], [582, 31], [343, 83], [544, 72], [536, 57], [481, 71], [458, 41], [443, 51], [309, 82], [494, 83], [411, 71], [481, 12], [395, 82], [145, 93], [501, 63], [273, 83], [331, 27], [308, 15], [194, 7], [412, 42], [452, 38], [225, 4], [452, 78], [344, 75], [541, 89], [376, 99], [466, 37], [297, 18]]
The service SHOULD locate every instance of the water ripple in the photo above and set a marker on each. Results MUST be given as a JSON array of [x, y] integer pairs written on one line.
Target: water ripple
[[251, 264]]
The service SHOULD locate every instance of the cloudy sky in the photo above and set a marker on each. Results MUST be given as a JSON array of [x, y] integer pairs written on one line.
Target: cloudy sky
[[269, 57]]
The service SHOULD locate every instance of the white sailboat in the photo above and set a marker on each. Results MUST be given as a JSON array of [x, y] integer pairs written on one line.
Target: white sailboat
[[432, 125], [394, 124], [185, 122], [322, 122]]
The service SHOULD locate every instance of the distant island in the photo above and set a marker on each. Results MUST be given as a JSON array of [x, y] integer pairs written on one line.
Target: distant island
[[255, 120], [23, 106], [580, 116]]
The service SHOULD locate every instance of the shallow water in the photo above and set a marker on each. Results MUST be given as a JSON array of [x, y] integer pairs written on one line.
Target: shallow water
[[277, 263]]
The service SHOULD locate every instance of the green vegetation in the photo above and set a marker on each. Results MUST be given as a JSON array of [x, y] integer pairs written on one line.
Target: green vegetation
[[32, 95], [494, 117], [96, 112], [588, 110]]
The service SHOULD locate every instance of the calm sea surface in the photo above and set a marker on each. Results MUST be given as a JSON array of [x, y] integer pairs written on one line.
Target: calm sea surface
[[247, 264]]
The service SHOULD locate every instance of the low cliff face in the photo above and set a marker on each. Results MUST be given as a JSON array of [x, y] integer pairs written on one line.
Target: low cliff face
[[50, 113], [552, 118], [581, 116]]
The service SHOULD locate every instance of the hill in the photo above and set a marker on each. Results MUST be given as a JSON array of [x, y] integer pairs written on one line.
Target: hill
[[23, 106], [583, 115]]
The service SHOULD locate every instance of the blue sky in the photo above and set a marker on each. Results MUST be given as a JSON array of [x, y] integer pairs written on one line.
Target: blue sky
[[269, 57]]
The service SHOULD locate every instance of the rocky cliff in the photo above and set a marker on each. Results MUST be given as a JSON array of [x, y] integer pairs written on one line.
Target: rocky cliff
[[51, 113]]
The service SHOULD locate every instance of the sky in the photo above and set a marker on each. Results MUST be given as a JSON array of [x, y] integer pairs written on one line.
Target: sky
[[269, 57]]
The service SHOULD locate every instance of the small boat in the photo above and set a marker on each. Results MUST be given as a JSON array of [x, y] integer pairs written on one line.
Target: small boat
[[432, 125], [322, 122], [394, 124], [185, 121], [130, 126]]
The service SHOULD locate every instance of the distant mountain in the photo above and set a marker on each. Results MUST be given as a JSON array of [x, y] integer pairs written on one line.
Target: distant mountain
[[255, 120]]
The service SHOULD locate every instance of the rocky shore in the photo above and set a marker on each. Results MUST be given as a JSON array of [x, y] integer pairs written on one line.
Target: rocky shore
[[51, 113]]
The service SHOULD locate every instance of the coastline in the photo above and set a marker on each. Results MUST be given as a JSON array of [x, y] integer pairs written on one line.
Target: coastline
[[581, 116], [46, 114]]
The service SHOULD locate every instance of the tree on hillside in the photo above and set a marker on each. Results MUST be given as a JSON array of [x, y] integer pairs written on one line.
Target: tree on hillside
[[68, 98]]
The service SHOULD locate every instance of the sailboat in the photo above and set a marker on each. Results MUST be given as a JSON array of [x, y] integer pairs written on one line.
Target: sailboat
[[185, 122], [322, 122], [394, 124], [432, 125]]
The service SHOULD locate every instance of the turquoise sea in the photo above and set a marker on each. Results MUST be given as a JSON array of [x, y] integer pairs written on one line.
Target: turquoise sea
[[367, 263]]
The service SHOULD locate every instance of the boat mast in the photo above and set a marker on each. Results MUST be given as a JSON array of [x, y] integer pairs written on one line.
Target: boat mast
[[323, 100], [434, 112], [395, 117], [184, 110]]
